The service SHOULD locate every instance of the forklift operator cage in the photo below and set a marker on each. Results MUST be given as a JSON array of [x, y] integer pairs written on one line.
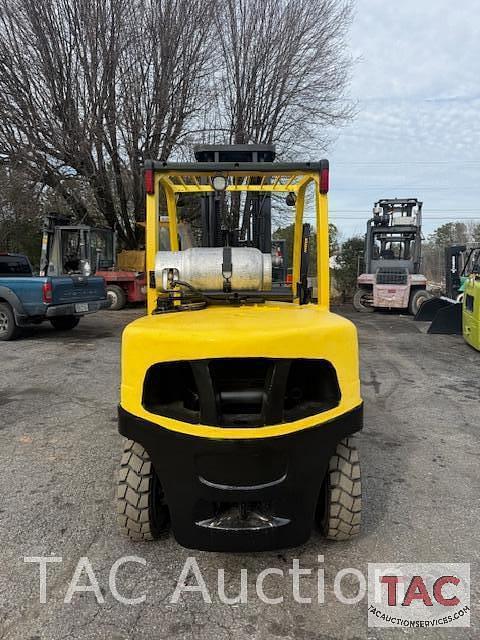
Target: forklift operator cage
[[268, 177]]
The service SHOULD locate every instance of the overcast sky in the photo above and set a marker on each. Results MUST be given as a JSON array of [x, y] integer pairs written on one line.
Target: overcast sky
[[417, 133]]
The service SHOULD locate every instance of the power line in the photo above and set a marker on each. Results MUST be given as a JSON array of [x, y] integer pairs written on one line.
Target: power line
[[367, 163], [365, 218], [462, 219], [409, 189], [437, 210]]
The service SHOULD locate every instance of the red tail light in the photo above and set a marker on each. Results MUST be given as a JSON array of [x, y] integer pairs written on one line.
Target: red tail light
[[149, 181], [324, 180], [47, 292]]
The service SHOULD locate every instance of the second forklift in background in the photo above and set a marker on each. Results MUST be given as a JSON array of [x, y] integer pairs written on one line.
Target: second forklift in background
[[392, 278], [69, 248], [457, 312]]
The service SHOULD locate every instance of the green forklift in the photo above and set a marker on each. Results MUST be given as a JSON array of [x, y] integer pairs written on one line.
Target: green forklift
[[471, 306], [457, 311]]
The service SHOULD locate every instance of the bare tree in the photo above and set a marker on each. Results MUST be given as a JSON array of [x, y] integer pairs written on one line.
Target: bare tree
[[285, 70], [90, 88]]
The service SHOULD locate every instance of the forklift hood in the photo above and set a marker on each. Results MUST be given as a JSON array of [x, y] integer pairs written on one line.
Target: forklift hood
[[274, 331]]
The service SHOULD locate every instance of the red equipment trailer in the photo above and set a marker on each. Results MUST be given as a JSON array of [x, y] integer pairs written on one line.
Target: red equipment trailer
[[126, 280]]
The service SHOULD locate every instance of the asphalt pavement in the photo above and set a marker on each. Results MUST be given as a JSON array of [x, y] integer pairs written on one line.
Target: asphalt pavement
[[59, 451]]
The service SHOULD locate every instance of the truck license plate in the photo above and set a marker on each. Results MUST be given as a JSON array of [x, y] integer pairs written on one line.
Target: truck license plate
[[81, 307]]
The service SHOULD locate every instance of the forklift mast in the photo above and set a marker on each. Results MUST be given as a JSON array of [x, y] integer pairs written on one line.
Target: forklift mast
[[255, 226], [396, 220], [460, 261], [453, 269]]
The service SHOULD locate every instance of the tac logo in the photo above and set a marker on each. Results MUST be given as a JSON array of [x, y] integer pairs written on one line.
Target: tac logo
[[413, 596]]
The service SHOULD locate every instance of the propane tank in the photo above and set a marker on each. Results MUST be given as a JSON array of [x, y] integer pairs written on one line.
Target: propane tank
[[204, 268]]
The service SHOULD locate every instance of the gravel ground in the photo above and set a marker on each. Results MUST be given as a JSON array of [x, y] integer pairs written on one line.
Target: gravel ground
[[59, 449]]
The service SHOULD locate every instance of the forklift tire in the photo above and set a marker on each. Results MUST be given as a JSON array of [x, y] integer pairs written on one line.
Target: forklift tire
[[117, 297], [417, 298], [141, 508], [64, 323], [360, 301], [8, 328], [340, 505]]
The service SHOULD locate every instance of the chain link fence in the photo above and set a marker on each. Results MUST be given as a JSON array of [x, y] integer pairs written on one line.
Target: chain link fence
[[433, 265]]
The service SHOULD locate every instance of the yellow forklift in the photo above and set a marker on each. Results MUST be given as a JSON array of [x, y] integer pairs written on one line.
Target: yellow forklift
[[471, 309], [239, 397]]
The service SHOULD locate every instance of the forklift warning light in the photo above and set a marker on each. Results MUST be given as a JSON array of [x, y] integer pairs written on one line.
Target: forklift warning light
[[149, 181], [324, 180]]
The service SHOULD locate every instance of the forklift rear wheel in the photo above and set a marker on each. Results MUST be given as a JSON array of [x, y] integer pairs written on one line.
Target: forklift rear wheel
[[8, 328], [117, 297], [340, 505], [142, 511], [64, 323], [363, 301], [417, 298]]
